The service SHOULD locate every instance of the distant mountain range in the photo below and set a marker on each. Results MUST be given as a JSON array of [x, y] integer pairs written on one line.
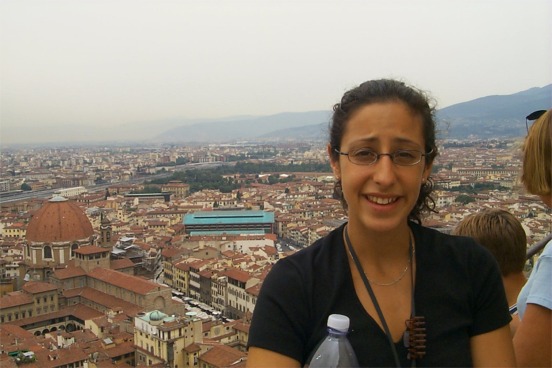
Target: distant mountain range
[[494, 116], [499, 116], [287, 125]]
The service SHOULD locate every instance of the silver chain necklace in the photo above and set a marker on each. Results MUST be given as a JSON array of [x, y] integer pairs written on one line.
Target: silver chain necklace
[[415, 337], [394, 281]]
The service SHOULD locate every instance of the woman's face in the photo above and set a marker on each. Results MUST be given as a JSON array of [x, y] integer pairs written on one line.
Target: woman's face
[[380, 196]]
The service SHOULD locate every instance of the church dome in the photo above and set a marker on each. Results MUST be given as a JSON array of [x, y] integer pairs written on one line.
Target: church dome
[[157, 316], [59, 220]]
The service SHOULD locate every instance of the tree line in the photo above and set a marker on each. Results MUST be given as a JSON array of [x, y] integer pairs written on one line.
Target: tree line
[[220, 178]]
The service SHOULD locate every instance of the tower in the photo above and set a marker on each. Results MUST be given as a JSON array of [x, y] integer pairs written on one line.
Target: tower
[[105, 232]]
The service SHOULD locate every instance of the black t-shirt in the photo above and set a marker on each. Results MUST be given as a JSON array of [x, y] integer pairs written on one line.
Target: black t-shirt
[[458, 290]]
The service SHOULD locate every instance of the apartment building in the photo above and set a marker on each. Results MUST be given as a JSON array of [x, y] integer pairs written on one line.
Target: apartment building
[[162, 339], [177, 188], [34, 299], [17, 230], [198, 277], [240, 301]]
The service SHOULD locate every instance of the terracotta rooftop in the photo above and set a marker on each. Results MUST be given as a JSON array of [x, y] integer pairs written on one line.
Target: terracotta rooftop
[[240, 326], [68, 272], [222, 356], [270, 250], [192, 348], [182, 265], [238, 275], [69, 356], [122, 280], [118, 264], [91, 249], [206, 273], [121, 349], [17, 298], [255, 290], [10, 335], [172, 252], [59, 220], [37, 287], [103, 299]]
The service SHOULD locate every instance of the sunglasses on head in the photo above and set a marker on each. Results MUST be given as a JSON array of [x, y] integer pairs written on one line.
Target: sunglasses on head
[[533, 116]]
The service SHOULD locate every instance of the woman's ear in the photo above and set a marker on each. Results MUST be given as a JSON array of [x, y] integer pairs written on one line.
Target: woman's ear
[[333, 163], [427, 171]]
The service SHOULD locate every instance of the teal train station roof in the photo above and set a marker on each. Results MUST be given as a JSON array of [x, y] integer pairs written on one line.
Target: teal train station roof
[[228, 217], [228, 232]]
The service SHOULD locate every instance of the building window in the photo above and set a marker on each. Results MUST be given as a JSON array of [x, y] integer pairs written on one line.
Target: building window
[[74, 247], [47, 252]]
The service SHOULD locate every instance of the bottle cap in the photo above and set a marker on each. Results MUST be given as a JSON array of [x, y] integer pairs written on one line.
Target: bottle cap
[[338, 322]]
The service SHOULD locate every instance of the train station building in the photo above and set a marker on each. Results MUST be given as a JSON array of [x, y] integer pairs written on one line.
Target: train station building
[[232, 222]]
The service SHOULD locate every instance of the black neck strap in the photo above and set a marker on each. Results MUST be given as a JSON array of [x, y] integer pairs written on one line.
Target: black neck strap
[[373, 296]]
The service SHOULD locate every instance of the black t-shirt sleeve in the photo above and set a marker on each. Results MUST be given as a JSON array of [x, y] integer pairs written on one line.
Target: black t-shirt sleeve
[[280, 315], [299, 294]]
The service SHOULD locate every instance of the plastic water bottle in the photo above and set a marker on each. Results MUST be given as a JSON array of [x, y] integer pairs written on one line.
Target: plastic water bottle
[[334, 350]]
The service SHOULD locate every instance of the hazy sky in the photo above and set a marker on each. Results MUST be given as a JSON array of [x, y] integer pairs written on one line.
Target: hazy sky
[[68, 66]]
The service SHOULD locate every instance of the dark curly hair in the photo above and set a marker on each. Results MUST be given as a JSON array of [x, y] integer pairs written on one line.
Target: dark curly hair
[[386, 90]]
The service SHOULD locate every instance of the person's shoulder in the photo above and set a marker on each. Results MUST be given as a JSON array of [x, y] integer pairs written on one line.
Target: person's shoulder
[[452, 251], [322, 254], [547, 251], [435, 236], [322, 247], [438, 240]]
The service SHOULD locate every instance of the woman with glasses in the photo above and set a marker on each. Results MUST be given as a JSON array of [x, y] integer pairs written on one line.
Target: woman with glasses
[[414, 296], [532, 341]]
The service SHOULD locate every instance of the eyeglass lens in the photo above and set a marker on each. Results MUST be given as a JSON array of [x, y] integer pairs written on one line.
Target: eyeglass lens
[[405, 158]]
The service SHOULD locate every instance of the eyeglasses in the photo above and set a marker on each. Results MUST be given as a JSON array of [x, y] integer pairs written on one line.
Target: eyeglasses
[[533, 116], [365, 156]]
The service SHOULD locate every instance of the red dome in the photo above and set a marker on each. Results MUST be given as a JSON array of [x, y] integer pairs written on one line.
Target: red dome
[[59, 220]]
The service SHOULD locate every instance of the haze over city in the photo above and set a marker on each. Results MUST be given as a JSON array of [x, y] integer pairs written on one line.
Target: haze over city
[[79, 70]]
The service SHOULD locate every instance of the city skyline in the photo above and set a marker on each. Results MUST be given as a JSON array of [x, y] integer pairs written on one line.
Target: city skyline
[[75, 70], [117, 263]]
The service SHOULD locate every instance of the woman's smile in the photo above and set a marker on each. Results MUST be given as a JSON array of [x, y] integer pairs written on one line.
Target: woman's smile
[[381, 200]]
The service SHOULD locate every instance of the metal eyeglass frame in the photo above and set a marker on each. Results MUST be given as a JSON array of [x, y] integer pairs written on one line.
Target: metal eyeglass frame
[[390, 154]]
